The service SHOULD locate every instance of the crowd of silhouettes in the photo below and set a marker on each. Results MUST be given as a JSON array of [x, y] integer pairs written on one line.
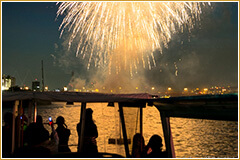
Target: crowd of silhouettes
[[152, 150], [38, 143], [35, 137]]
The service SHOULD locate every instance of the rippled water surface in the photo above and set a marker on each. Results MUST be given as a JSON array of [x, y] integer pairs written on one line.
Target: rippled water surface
[[194, 138]]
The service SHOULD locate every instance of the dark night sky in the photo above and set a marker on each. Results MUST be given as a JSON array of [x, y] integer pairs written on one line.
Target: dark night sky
[[30, 34]]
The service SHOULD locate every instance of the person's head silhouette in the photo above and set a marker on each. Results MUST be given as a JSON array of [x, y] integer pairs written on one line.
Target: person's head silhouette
[[60, 121], [138, 145], [39, 119], [89, 112], [155, 142], [138, 139]]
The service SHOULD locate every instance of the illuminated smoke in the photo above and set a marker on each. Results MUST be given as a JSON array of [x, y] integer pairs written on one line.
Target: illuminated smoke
[[124, 35]]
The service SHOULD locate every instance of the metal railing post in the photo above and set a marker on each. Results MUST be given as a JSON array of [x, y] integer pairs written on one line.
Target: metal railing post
[[82, 122], [141, 121], [30, 106], [35, 112], [15, 113], [124, 130], [167, 135]]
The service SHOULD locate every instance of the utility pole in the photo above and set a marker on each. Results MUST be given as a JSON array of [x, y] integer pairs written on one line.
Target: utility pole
[[42, 78]]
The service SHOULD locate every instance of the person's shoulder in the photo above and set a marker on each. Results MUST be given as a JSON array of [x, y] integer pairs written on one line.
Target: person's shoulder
[[93, 125], [45, 130], [68, 130], [31, 125]]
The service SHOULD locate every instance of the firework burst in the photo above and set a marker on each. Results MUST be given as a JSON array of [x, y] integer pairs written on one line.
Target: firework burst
[[124, 35]]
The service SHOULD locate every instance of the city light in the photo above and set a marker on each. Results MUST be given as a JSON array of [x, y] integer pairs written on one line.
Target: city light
[[76, 90], [172, 92], [4, 88]]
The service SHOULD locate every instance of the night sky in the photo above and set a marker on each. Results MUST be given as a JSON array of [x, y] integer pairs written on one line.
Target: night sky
[[30, 34]]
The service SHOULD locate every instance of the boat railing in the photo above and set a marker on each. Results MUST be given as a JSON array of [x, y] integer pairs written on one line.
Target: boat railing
[[219, 107]]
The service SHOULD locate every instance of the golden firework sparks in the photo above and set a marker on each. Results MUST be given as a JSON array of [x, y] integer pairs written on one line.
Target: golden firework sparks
[[125, 34]]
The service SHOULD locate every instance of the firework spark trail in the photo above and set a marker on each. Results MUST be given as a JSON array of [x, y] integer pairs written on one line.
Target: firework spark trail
[[121, 33]]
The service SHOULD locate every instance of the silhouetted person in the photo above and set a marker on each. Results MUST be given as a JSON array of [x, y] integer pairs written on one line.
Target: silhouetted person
[[154, 148], [138, 145], [7, 135], [63, 135], [44, 133], [36, 135], [90, 133]]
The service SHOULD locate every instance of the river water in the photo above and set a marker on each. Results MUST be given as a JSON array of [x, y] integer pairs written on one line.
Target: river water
[[193, 138]]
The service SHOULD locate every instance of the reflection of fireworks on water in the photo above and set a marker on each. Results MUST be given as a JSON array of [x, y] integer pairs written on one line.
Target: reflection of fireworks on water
[[125, 34]]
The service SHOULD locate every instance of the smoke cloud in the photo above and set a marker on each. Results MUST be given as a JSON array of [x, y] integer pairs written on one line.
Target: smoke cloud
[[196, 59]]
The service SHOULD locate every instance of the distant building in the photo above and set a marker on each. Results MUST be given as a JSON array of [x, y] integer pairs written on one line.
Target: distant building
[[36, 86], [7, 82]]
